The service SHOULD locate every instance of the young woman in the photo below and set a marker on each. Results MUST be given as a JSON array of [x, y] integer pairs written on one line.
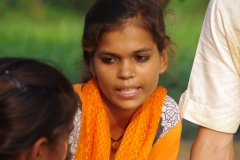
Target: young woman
[[37, 107], [124, 114]]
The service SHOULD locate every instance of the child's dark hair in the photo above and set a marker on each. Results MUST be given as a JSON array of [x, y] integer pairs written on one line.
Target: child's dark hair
[[111, 15], [36, 101]]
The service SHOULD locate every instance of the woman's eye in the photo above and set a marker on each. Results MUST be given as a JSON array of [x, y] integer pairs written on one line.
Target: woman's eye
[[141, 58], [108, 60]]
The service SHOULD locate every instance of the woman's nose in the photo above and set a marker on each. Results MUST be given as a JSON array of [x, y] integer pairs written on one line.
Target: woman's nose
[[126, 70]]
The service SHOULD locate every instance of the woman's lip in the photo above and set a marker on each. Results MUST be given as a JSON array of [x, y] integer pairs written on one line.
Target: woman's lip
[[128, 92], [126, 87]]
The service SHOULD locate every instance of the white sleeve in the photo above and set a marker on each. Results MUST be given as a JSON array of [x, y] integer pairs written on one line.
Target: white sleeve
[[212, 98]]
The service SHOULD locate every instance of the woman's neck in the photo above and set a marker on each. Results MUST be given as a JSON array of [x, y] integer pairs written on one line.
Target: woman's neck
[[119, 118]]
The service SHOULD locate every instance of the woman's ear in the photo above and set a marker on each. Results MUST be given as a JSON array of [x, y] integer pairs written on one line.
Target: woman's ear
[[163, 61], [92, 68], [40, 149]]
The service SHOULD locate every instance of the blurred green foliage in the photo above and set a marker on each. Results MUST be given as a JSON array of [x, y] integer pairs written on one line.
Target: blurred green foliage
[[184, 20], [75, 5], [49, 33]]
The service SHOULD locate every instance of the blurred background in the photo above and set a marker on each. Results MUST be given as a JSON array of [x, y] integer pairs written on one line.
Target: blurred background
[[51, 30]]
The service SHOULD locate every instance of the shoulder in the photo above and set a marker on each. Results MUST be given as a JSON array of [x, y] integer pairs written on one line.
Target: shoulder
[[169, 117], [73, 137], [78, 87], [170, 102]]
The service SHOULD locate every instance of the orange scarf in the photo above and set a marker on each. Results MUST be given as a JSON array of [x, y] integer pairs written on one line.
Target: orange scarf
[[94, 142]]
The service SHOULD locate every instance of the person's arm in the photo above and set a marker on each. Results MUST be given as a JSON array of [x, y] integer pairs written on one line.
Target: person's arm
[[212, 98], [214, 145]]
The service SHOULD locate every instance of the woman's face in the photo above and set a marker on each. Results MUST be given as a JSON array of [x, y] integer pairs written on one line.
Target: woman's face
[[127, 65]]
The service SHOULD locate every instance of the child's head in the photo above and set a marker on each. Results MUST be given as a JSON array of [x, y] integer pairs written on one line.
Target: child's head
[[114, 15], [37, 106]]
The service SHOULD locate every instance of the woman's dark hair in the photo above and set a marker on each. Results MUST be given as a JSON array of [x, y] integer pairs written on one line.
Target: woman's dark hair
[[111, 15], [36, 101]]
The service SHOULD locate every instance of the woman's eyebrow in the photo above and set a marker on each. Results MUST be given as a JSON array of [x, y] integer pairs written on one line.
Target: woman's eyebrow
[[142, 50], [112, 54]]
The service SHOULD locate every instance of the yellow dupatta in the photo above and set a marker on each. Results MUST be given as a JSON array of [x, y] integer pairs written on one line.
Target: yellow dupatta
[[94, 141]]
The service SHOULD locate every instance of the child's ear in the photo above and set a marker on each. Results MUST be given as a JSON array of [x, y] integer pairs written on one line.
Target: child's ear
[[40, 149], [163, 61]]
